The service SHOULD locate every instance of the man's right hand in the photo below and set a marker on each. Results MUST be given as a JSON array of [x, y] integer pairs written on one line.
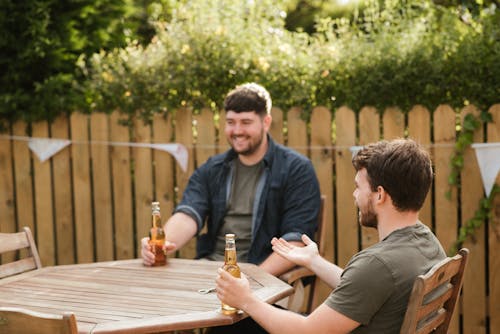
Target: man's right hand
[[148, 258], [302, 256]]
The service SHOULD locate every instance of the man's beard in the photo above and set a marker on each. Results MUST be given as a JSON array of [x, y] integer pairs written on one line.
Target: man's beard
[[368, 217], [252, 146]]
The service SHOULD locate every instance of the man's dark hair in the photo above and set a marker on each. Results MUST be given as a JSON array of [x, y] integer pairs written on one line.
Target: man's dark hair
[[402, 167], [249, 97]]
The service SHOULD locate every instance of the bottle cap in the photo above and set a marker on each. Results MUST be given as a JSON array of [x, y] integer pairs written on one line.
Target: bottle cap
[[155, 206]]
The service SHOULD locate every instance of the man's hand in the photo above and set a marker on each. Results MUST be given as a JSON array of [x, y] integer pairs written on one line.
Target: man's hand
[[233, 291], [302, 256], [148, 258]]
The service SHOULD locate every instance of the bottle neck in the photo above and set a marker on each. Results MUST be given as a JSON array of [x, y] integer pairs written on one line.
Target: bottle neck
[[156, 219], [230, 254]]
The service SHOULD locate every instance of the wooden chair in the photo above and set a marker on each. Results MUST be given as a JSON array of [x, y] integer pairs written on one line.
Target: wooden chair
[[295, 276], [19, 321], [434, 296], [15, 242]]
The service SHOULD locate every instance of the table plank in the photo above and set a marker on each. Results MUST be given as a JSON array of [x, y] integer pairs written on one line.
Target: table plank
[[124, 296]]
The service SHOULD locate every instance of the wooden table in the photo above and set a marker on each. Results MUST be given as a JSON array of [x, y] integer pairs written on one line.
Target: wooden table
[[127, 297]]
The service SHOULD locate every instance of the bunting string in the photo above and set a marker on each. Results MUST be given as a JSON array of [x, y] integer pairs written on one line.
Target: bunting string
[[487, 154]]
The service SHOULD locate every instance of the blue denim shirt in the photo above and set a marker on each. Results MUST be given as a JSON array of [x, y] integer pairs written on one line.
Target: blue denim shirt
[[287, 200]]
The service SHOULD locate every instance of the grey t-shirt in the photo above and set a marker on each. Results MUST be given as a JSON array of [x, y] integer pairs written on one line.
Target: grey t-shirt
[[375, 286], [239, 214]]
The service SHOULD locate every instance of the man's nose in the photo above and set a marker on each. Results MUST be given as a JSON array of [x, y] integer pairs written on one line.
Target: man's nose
[[237, 128]]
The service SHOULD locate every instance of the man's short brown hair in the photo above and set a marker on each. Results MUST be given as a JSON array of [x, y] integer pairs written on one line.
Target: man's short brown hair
[[402, 167]]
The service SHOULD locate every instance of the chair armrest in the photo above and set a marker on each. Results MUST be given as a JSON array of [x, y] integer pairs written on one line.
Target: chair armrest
[[296, 273]]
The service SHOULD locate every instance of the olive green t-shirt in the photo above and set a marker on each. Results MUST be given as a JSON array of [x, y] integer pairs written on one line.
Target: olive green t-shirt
[[375, 286], [238, 219]]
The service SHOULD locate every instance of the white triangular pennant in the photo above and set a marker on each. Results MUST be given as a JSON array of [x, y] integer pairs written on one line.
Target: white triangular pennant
[[179, 152], [355, 149], [488, 158], [44, 148]]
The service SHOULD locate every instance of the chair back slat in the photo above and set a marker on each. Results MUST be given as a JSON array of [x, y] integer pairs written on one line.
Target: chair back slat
[[13, 241], [429, 325], [429, 307], [20, 321], [443, 273], [434, 295], [27, 257]]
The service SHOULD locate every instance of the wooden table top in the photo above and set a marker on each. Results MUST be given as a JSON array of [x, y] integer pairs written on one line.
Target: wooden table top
[[127, 297]]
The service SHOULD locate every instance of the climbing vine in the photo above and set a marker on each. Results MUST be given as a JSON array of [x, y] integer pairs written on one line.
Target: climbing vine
[[465, 138]]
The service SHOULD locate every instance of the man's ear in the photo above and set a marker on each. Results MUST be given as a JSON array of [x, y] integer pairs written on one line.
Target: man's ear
[[381, 193], [267, 121]]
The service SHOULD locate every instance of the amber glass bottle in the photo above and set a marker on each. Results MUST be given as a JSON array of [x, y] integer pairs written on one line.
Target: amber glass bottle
[[230, 266], [157, 236]]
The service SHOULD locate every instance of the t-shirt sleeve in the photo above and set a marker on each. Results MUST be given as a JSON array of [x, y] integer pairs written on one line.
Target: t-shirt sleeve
[[365, 285]]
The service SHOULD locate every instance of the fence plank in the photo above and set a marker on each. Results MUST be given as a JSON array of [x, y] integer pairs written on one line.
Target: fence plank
[[393, 122], [122, 189], [81, 187], [321, 157], [493, 130], [297, 131], [223, 145], [446, 219], [347, 222], [42, 178], [206, 141], [101, 184], [7, 200], [184, 134], [369, 131], [163, 166], [22, 169], [445, 213], [276, 129], [298, 141], [474, 289], [143, 180], [63, 194], [419, 128]]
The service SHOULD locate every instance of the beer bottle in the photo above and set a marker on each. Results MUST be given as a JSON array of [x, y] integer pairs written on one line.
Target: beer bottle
[[157, 236], [230, 266]]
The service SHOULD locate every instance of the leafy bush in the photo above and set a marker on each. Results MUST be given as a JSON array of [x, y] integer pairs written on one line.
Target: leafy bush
[[398, 55], [393, 53], [40, 44]]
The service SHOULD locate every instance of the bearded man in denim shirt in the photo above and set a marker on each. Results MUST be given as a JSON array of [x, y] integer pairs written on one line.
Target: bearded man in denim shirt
[[257, 190]]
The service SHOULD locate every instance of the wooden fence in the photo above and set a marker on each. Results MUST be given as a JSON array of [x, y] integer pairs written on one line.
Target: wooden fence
[[91, 201]]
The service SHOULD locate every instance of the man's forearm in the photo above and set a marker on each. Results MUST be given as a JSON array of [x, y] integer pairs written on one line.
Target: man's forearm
[[180, 228], [277, 265], [326, 271]]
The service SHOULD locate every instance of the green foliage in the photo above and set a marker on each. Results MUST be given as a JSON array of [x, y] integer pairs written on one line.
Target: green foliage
[[155, 56], [206, 49], [40, 44], [464, 140], [395, 54], [482, 214]]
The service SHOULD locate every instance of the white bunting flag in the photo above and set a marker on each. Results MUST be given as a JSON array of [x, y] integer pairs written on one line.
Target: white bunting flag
[[179, 152], [355, 149], [488, 158], [44, 148]]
